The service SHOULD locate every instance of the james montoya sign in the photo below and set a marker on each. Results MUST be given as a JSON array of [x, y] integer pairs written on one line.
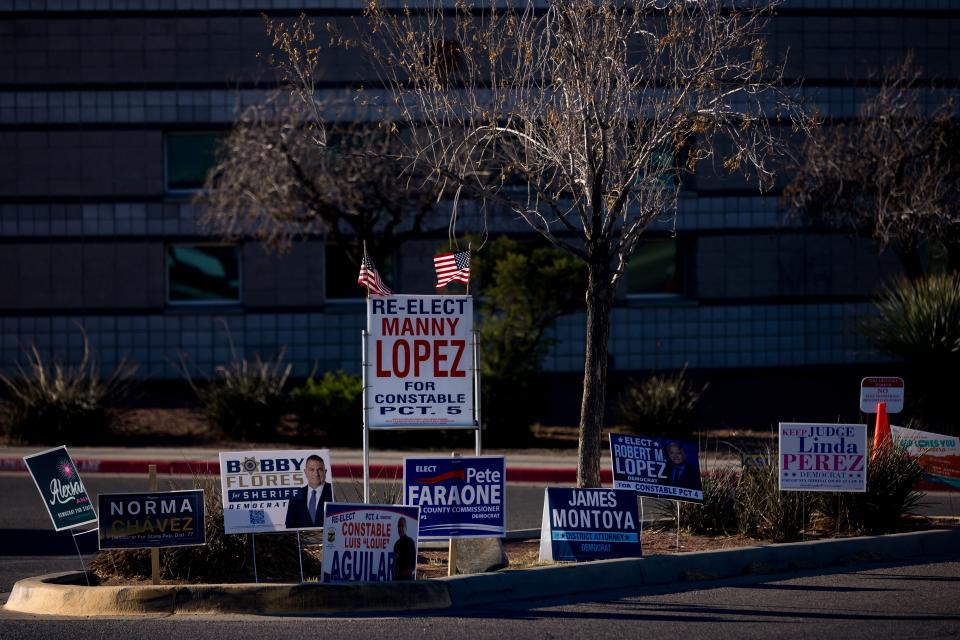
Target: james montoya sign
[[458, 497], [823, 457], [420, 361], [589, 524]]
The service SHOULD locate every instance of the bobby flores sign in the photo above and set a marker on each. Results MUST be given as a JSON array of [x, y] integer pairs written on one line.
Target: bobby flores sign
[[823, 457], [589, 524], [159, 519], [59, 484], [419, 361], [458, 497]]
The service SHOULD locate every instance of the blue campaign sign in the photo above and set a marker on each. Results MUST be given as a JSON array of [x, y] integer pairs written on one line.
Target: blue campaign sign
[[589, 524], [458, 497], [656, 467], [156, 519]]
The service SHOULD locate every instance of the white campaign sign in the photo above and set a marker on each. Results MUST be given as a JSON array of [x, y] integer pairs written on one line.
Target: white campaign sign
[[874, 390], [823, 457], [420, 361]]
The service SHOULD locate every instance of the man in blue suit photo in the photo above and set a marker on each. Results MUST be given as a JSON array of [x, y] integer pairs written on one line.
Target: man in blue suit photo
[[305, 508]]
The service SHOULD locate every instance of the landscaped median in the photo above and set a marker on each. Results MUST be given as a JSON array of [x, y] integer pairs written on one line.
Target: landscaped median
[[67, 593]]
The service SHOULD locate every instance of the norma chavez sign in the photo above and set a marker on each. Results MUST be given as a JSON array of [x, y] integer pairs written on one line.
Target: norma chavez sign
[[61, 488], [274, 490], [888, 390], [656, 467], [420, 361], [157, 519], [369, 543], [589, 524], [939, 455], [458, 497], [823, 457]]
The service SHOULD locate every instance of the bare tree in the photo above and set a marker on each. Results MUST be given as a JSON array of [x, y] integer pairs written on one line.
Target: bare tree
[[282, 174], [578, 117], [891, 174]]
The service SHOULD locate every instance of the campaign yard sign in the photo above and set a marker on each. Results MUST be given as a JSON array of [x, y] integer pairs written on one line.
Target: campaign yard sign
[[939, 455], [266, 491], [156, 519], [369, 543], [56, 477], [874, 390], [823, 457], [589, 524], [419, 361], [458, 497], [656, 467]]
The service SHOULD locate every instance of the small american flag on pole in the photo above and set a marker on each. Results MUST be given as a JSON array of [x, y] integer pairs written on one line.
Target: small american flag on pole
[[452, 266], [370, 279]]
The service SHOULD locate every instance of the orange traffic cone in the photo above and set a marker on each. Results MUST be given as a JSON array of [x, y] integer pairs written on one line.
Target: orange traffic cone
[[881, 433]]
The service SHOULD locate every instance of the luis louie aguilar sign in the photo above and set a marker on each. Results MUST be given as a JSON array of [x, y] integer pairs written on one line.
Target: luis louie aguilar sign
[[420, 361], [589, 524], [369, 543], [59, 484], [458, 497], [823, 457], [160, 519]]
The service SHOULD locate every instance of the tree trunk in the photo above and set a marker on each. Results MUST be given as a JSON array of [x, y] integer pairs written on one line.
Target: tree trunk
[[599, 301]]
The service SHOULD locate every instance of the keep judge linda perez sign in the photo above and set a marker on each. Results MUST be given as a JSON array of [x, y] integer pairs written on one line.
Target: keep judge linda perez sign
[[823, 457], [419, 358]]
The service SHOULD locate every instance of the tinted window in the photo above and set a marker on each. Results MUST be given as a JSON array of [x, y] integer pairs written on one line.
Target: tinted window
[[653, 268], [189, 157], [206, 273]]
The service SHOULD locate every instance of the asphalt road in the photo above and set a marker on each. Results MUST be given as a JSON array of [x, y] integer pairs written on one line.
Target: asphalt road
[[911, 600]]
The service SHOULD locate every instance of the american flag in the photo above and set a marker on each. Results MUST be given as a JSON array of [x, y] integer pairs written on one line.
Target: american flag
[[370, 279], [452, 266]]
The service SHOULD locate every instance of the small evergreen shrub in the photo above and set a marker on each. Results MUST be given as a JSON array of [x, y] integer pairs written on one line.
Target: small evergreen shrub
[[330, 409], [49, 403], [762, 510], [660, 405], [717, 514]]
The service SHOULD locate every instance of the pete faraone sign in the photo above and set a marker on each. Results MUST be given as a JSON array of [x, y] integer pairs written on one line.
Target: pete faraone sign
[[61, 488], [458, 497], [823, 457], [874, 390], [589, 524], [419, 361], [266, 491], [938, 454], [369, 543], [156, 519], [656, 467]]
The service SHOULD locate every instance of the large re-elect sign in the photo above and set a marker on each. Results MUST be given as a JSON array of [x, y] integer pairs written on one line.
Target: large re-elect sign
[[420, 361], [59, 484], [157, 519], [823, 457], [369, 543], [458, 497]]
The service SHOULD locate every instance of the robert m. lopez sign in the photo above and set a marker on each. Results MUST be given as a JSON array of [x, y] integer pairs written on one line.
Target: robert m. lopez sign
[[369, 543], [656, 467], [823, 457], [458, 497], [267, 491], [419, 358], [59, 484], [589, 524], [159, 519]]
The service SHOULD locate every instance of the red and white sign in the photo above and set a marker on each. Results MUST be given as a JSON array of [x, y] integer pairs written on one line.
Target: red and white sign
[[823, 457], [419, 362], [874, 390]]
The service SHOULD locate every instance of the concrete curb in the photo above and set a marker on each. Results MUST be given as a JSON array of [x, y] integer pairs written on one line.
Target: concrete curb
[[66, 594]]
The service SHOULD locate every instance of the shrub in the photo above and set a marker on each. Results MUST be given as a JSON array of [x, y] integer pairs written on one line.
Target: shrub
[[660, 405], [330, 408], [918, 321], [763, 511], [57, 404], [224, 558], [246, 400], [717, 513], [892, 476]]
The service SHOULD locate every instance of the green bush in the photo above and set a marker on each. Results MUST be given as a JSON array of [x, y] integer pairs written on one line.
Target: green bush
[[717, 514], [918, 321], [892, 475], [57, 404], [660, 405], [224, 558], [246, 400], [329, 410], [762, 510]]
